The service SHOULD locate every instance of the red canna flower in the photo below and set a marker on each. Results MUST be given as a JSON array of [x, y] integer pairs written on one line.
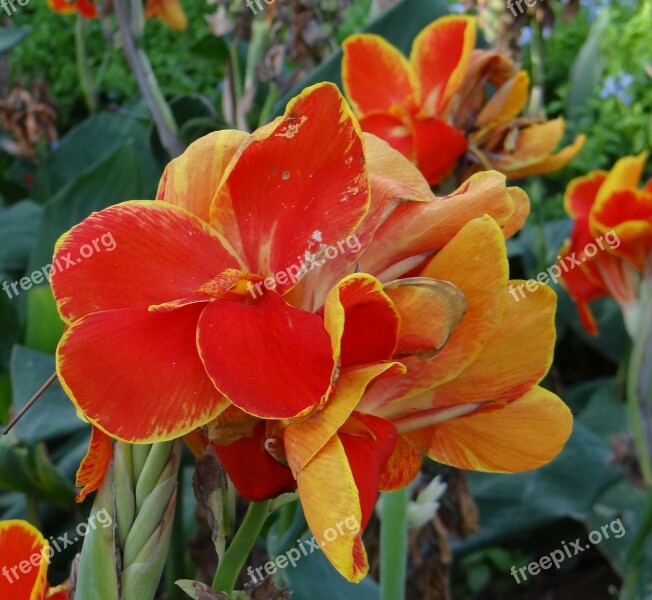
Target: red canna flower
[[435, 106], [609, 207], [86, 8]]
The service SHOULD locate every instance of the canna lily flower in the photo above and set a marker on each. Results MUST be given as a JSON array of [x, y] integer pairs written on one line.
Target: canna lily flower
[[170, 13], [163, 333], [86, 8], [25, 555], [435, 106], [609, 207]]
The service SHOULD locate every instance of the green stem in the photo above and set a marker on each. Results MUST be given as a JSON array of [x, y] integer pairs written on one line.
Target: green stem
[[393, 544], [271, 98], [241, 546], [176, 560], [147, 82], [537, 54], [83, 68], [639, 389]]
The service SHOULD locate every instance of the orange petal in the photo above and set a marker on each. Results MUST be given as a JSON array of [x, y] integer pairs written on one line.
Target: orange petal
[[515, 357], [22, 544], [370, 59], [260, 476], [297, 188], [304, 439], [626, 173], [440, 56], [430, 311], [337, 519], [437, 146], [475, 261], [268, 358], [192, 179], [422, 228], [402, 467], [522, 435], [508, 101], [361, 321], [521, 211], [137, 375], [116, 258], [95, 463]]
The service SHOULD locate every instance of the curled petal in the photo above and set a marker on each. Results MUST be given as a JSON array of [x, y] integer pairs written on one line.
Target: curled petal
[[508, 101], [402, 467], [94, 465]]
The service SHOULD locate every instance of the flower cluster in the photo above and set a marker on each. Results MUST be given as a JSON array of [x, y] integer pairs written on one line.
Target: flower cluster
[[436, 106], [601, 202], [335, 384]]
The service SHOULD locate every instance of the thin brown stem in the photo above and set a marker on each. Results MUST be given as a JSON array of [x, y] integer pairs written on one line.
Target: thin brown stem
[[29, 404]]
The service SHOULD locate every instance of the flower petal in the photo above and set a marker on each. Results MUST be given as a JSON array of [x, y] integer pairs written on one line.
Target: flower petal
[[310, 188], [396, 131], [137, 375], [192, 179], [361, 321], [370, 59], [268, 358], [260, 476], [437, 147], [440, 56], [581, 193], [402, 466], [422, 228], [95, 463], [508, 101], [304, 439], [521, 435], [430, 310], [626, 173], [19, 543], [142, 253]]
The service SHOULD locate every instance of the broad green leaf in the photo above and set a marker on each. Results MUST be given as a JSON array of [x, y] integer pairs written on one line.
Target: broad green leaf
[[116, 179], [53, 415], [11, 36], [44, 326], [18, 227]]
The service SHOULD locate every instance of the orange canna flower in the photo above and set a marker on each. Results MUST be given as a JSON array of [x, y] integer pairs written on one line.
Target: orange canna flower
[[435, 106], [86, 8], [346, 374], [609, 206], [25, 562], [170, 12]]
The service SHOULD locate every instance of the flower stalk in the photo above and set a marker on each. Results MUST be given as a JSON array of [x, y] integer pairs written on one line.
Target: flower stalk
[[139, 493]]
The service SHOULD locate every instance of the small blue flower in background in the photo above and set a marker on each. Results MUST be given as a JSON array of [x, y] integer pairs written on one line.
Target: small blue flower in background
[[457, 8], [618, 86], [526, 36]]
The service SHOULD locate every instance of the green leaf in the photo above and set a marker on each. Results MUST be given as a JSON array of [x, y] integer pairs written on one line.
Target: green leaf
[[512, 504], [11, 36], [116, 179], [54, 415], [18, 226], [587, 68], [44, 326], [83, 149]]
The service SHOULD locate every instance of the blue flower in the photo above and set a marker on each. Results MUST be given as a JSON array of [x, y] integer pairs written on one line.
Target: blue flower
[[618, 87]]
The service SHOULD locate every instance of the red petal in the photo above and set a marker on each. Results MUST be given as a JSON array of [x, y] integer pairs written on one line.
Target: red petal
[[270, 359], [396, 132], [260, 476], [296, 188], [137, 375], [438, 146], [141, 253]]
